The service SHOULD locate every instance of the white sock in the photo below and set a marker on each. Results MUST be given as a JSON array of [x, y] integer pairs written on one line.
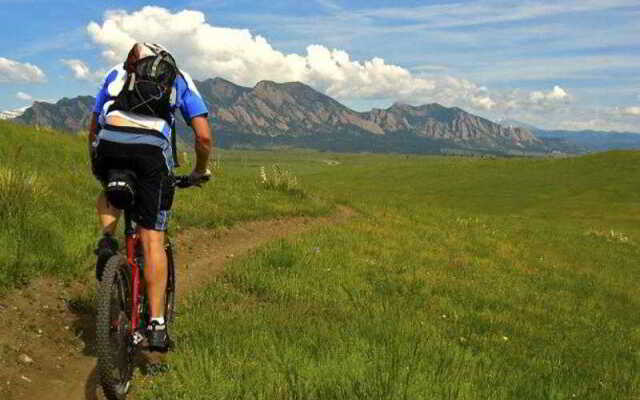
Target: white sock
[[158, 320]]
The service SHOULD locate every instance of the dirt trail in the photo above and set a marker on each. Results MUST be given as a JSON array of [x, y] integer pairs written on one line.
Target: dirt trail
[[56, 333]]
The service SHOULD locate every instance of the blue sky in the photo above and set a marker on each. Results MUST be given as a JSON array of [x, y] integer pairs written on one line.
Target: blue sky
[[558, 64]]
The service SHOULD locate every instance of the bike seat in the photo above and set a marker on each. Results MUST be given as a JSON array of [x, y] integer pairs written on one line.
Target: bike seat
[[121, 188]]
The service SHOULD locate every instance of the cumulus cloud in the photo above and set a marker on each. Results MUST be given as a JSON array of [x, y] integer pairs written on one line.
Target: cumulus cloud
[[24, 96], [484, 102], [632, 111], [14, 71], [556, 94], [81, 70], [206, 51], [517, 101]]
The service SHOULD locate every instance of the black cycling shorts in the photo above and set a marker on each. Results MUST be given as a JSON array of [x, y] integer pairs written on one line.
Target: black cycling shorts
[[154, 191]]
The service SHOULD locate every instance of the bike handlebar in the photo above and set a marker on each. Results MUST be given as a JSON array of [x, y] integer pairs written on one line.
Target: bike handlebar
[[185, 181]]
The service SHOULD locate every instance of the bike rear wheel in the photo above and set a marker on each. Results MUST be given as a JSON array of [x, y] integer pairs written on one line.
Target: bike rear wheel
[[113, 321]]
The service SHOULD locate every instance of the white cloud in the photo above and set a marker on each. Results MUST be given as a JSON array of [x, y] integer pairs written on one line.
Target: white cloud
[[81, 70], [206, 51], [632, 111], [484, 102], [556, 94], [14, 71], [576, 118], [24, 96]]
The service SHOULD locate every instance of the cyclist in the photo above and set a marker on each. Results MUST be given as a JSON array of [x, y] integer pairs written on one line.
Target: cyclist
[[131, 128]]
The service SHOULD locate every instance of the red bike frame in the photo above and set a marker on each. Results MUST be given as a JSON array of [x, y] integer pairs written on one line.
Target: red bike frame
[[133, 243]]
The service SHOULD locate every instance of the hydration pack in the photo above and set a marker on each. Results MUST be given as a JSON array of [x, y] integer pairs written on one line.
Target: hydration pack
[[151, 72]]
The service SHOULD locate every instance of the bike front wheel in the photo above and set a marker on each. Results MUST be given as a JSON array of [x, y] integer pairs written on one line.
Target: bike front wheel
[[114, 343], [170, 299]]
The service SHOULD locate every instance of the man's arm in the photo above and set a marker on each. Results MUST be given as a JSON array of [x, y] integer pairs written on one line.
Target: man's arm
[[194, 110], [203, 143]]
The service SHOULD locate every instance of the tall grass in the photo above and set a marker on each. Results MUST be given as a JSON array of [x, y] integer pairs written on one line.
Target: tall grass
[[21, 196], [47, 204]]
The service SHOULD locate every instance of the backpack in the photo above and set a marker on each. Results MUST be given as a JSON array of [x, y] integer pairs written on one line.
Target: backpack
[[151, 72]]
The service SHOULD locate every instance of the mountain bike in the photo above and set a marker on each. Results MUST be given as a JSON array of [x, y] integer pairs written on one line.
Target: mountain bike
[[122, 308]]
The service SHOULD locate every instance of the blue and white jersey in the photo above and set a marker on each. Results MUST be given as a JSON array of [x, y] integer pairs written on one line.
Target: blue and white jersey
[[184, 96]]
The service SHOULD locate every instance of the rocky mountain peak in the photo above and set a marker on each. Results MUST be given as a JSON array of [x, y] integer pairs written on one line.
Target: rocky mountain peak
[[221, 90], [294, 113], [66, 114]]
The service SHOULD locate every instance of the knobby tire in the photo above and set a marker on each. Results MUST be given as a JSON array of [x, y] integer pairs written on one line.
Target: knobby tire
[[113, 321]]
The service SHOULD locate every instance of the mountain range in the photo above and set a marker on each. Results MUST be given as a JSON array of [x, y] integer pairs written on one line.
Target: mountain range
[[70, 115], [297, 115], [294, 114], [583, 141]]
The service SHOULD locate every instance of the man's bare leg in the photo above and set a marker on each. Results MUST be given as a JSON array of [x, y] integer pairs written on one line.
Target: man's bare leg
[[107, 245], [155, 271], [107, 214]]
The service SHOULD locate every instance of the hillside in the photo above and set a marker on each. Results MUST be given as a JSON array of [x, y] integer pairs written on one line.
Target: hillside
[[294, 114]]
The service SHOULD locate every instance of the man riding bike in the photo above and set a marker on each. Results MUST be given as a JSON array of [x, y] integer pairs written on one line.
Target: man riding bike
[[131, 128]]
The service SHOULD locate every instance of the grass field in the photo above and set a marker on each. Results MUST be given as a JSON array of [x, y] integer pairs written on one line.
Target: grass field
[[459, 278]]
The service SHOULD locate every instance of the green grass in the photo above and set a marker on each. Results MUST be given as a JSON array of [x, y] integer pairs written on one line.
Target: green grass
[[47, 204], [460, 279]]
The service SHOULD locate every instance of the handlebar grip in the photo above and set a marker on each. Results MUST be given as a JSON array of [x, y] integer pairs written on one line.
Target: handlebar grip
[[185, 181]]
